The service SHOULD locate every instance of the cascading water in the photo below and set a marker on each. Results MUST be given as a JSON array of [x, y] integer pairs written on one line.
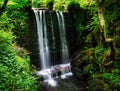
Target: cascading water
[[42, 39], [65, 53], [48, 69]]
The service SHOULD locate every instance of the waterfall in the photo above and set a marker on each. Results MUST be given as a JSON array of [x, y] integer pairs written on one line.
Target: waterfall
[[44, 50], [65, 53], [42, 39], [47, 34]]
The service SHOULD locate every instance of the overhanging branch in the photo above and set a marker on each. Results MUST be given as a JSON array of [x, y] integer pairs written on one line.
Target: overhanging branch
[[3, 7]]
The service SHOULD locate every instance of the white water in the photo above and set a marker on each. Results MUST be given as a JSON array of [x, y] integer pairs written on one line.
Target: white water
[[65, 53], [42, 39], [48, 71], [48, 77]]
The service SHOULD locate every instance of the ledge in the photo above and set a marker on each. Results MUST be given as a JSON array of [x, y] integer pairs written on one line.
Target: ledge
[[40, 8]]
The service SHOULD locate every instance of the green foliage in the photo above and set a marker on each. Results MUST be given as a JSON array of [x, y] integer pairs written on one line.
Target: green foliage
[[99, 52], [117, 40], [49, 1], [98, 85], [14, 69], [15, 72], [49, 4], [19, 20], [15, 19], [16, 3], [73, 7], [14, 61], [102, 69], [87, 69], [38, 3], [5, 23], [60, 6], [85, 3], [93, 22], [112, 79]]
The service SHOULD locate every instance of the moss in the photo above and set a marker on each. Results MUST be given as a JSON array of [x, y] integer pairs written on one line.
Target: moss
[[88, 40], [86, 70], [98, 85], [91, 39], [82, 63], [96, 31]]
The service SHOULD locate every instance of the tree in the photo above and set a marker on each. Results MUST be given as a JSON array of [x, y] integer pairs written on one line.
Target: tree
[[105, 40], [3, 7]]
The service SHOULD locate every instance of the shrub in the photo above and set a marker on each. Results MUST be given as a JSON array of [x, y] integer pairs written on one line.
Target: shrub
[[49, 4], [15, 74]]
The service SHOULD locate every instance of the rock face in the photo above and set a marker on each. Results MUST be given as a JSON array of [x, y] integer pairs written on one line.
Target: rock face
[[81, 63]]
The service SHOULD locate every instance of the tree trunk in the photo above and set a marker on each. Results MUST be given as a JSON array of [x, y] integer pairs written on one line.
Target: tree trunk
[[3, 7], [105, 40]]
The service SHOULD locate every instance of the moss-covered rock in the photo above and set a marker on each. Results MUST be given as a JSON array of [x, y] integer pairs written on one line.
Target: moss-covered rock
[[98, 85], [81, 63], [89, 60]]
